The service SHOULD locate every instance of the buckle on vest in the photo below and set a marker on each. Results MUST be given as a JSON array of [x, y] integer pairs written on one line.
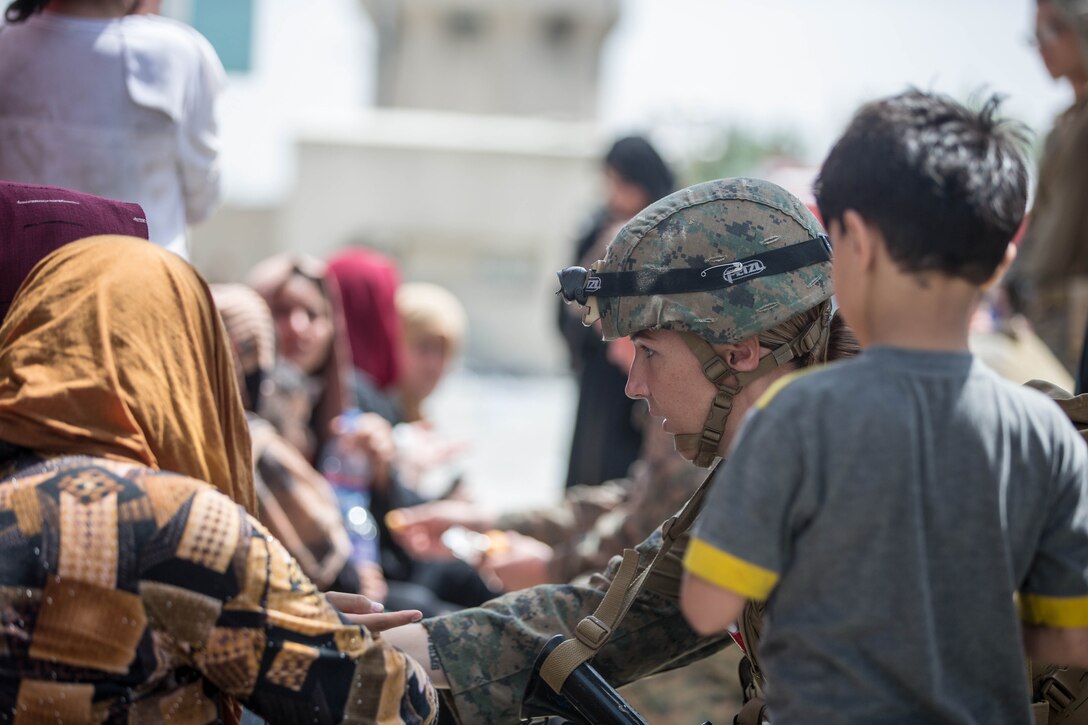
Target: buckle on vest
[[592, 632], [1056, 693]]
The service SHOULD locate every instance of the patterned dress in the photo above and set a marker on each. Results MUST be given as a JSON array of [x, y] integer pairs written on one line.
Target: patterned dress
[[134, 595]]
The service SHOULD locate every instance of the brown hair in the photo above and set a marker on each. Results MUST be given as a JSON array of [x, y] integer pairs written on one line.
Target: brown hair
[[837, 343], [20, 10]]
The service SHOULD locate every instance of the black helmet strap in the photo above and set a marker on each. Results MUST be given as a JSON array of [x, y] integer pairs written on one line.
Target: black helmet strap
[[577, 284]]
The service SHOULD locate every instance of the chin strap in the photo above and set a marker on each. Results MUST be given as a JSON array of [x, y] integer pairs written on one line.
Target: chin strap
[[718, 371]]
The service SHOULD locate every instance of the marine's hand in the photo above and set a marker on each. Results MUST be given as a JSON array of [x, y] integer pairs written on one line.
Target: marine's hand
[[419, 529], [521, 562], [357, 609]]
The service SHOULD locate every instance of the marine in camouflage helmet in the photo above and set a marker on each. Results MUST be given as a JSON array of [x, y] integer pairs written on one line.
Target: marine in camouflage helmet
[[717, 262]]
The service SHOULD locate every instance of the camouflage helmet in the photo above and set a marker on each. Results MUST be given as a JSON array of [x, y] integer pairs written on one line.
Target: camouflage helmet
[[720, 228], [717, 262]]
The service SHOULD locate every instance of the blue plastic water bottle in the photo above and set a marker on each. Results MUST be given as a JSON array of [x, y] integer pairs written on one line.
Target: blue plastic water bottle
[[348, 471]]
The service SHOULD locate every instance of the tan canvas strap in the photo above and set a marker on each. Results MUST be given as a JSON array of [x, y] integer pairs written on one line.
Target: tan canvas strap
[[749, 690], [716, 370], [1064, 692], [594, 631], [750, 626], [754, 712], [706, 443]]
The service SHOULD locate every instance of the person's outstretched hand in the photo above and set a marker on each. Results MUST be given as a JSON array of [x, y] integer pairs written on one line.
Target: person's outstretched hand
[[357, 609], [515, 562], [419, 529]]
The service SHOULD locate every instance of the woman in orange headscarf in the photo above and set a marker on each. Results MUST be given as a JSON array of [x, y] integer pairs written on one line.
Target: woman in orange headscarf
[[133, 591], [124, 358]]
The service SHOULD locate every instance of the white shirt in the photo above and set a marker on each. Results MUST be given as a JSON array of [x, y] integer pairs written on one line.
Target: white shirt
[[123, 108]]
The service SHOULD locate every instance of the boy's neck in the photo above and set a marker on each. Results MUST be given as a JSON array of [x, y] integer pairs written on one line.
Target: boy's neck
[[926, 311]]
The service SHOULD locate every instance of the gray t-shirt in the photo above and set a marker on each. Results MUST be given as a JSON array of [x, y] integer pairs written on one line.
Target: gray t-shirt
[[891, 506]]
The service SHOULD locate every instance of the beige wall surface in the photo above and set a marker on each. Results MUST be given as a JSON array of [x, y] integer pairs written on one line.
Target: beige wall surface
[[488, 210]]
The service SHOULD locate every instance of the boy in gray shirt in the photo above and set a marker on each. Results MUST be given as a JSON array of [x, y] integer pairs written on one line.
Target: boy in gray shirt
[[907, 515]]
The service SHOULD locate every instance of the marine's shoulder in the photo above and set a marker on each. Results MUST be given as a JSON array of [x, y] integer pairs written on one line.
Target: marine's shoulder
[[1031, 404]]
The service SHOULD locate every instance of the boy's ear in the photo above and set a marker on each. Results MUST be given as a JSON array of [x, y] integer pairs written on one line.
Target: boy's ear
[[862, 238], [1002, 268]]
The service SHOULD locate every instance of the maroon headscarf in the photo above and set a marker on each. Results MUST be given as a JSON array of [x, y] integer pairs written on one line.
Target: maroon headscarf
[[368, 283], [37, 220]]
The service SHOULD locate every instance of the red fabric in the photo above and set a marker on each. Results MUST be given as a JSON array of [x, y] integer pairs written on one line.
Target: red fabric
[[37, 220], [368, 283]]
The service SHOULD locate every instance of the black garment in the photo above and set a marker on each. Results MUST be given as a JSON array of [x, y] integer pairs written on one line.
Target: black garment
[[636, 160], [607, 438]]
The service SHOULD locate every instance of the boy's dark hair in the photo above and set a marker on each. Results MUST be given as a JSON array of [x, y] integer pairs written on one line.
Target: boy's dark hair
[[945, 185], [19, 10]]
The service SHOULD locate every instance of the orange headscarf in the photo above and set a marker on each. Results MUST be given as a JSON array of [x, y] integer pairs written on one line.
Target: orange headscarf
[[113, 348]]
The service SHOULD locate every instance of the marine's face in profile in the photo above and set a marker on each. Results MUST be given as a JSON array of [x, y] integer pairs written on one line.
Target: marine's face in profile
[[667, 375], [304, 327]]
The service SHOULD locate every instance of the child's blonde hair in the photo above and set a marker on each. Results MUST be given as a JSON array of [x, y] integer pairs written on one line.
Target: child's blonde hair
[[428, 309]]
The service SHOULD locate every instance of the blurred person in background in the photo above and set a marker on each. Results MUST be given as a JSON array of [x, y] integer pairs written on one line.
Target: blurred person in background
[[294, 501], [145, 594], [367, 282], [312, 400], [607, 436], [36, 220], [433, 322], [312, 381], [1049, 281], [108, 98], [308, 400]]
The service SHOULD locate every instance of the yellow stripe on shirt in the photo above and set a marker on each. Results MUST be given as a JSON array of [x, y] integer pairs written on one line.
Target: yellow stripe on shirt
[[722, 569], [777, 386], [1063, 612]]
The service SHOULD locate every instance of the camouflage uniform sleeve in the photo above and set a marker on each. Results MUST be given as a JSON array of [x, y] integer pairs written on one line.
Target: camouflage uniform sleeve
[[596, 523], [488, 652], [581, 508], [659, 486]]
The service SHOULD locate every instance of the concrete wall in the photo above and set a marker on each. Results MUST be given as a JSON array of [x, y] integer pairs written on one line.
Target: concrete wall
[[486, 207], [509, 57]]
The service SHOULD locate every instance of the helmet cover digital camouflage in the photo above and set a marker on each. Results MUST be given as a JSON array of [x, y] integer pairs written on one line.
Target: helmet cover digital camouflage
[[709, 225]]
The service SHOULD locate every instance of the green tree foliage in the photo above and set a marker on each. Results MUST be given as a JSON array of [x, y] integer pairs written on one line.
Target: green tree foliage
[[738, 150]]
